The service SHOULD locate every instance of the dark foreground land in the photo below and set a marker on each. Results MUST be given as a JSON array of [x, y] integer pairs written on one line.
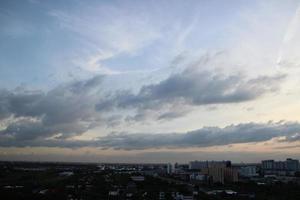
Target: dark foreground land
[[23, 180]]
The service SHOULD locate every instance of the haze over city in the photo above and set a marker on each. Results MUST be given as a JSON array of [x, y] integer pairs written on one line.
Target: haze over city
[[149, 81]]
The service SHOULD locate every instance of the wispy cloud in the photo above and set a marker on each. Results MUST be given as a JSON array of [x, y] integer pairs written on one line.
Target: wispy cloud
[[119, 32]]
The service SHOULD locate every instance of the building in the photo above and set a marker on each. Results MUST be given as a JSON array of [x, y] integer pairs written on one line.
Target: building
[[216, 171], [198, 177], [287, 167], [267, 164], [207, 164], [279, 165], [217, 174], [198, 164], [248, 171], [292, 164], [231, 175], [169, 168], [180, 168]]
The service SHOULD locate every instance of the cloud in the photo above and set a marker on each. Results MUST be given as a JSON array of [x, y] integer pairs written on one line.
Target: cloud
[[204, 137], [53, 118], [194, 88], [288, 56], [73, 108], [67, 110], [118, 33]]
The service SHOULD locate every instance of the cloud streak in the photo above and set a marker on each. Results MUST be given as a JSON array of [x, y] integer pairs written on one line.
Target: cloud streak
[[204, 137]]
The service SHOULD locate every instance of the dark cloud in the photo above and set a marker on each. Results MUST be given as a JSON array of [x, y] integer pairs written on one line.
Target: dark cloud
[[204, 137], [66, 110], [194, 88], [171, 115], [32, 117]]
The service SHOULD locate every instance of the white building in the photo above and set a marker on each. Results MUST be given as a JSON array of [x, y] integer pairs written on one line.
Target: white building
[[169, 168]]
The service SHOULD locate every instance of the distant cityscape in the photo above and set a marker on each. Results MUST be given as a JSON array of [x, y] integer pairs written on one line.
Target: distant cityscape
[[162, 181]]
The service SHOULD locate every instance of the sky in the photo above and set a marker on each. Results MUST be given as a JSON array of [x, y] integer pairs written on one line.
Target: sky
[[149, 81]]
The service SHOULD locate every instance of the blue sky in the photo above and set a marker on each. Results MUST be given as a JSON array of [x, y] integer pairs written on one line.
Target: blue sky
[[43, 39], [85, 75]]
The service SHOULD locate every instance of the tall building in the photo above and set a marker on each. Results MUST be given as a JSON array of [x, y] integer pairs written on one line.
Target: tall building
[[287, 167], [292, 164], [230, 174], [267, 164], [218, 171], [217, 174], [279, 165], [169, 168]]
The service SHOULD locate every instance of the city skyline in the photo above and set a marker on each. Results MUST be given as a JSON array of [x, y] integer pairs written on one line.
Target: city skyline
[[148, 81]]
